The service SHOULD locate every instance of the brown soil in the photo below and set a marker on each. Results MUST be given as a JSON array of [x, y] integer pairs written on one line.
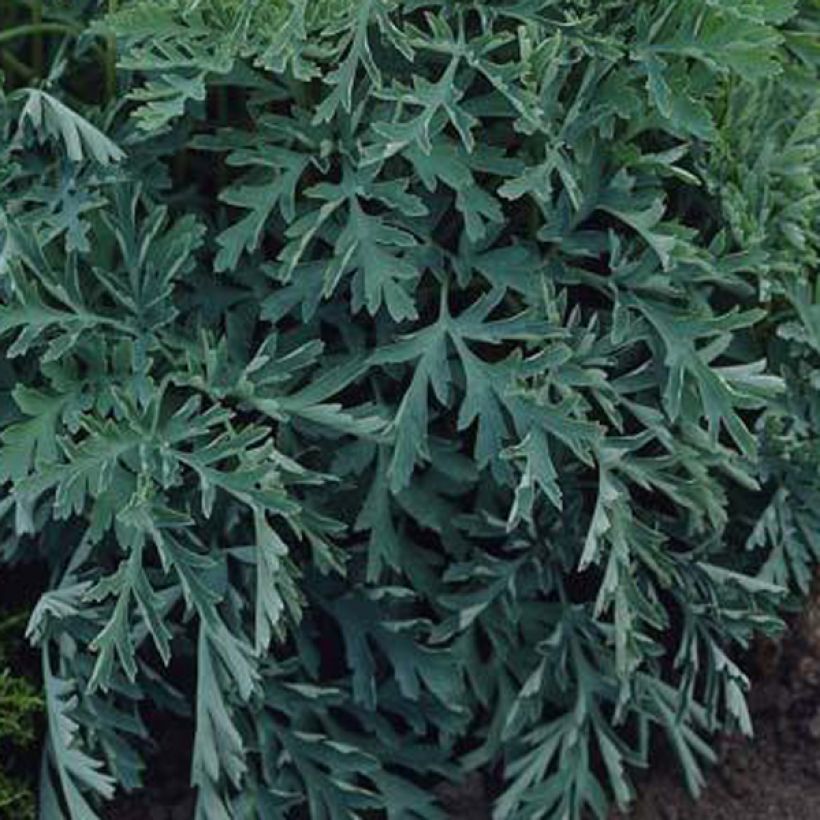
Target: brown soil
[[775, 775]]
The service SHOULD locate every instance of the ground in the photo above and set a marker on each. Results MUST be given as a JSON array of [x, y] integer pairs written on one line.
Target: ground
[[775, 775]]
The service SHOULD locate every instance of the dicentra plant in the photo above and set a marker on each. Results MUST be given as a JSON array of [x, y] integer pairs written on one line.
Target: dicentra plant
[[404, 388]]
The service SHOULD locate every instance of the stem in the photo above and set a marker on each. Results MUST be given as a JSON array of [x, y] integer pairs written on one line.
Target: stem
[[13, 622], [37, 40], [223, 115], [181, 166], [16, 66], [37, 28], [111, 59]]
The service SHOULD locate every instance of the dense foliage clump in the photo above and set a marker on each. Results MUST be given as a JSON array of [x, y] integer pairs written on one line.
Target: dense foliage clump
[[403, 388], [20, 708]]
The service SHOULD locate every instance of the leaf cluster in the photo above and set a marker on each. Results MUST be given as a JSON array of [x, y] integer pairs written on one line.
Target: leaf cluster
[[20, 709]]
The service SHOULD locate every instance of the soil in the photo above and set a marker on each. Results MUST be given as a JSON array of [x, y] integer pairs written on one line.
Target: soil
[[776, 774]]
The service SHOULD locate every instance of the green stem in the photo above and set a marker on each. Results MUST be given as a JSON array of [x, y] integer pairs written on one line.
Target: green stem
[[17, 67], [37, 28], [13, 623], [37, 50], [223, 115], [111, 59]]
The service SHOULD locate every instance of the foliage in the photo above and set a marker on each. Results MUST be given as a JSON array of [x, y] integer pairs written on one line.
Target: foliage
[[409, 386], [20, 706]]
